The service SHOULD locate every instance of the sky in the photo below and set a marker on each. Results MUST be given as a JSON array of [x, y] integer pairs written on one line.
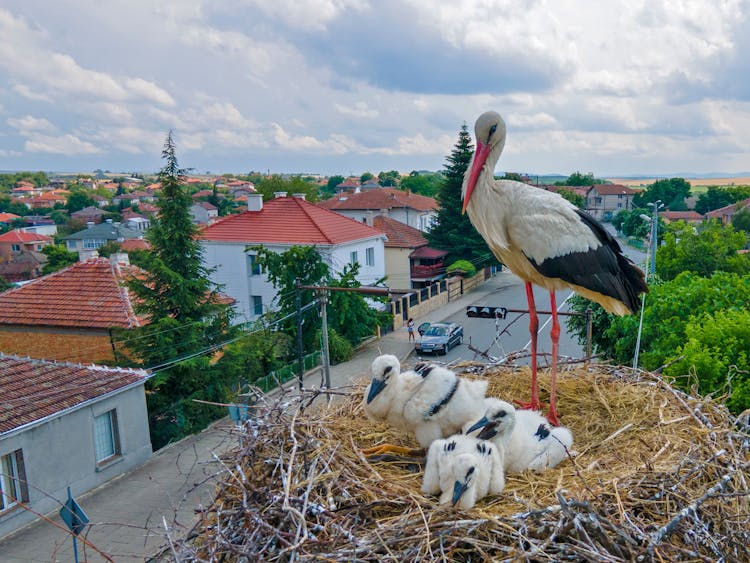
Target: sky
[[616, 88]]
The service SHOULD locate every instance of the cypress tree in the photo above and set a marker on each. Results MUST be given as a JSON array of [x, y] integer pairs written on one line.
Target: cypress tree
[[453, 231]]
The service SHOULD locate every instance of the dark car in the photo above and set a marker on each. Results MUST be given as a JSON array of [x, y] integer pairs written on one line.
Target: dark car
[[438, 338]]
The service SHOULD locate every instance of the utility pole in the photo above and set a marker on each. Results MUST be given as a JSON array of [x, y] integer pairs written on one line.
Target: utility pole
[[651, 260], [654, 226], [324, 321], [300, 362]]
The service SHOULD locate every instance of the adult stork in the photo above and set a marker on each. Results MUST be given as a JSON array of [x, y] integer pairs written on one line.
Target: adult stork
[[547, 241]]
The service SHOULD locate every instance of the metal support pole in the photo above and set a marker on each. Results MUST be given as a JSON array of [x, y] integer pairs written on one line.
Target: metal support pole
[[324, 322], [589, 331], [654, 226], [301, 366], [75, 543]]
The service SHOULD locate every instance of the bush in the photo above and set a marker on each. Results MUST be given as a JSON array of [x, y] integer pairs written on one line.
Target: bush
[[462, 268], [339, 348]]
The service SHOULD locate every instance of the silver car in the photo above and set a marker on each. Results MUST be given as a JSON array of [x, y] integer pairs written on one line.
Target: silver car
[[438, 338]]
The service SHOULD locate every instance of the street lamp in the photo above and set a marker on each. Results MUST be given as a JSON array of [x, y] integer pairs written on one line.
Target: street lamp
[[654, 219]]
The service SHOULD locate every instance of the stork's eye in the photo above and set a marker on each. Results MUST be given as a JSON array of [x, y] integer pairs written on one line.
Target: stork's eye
[[469, 472], [387, 369], [492, 130], [501, 414]]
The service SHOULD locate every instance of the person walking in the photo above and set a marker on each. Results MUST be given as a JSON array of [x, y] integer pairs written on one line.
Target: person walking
[[410, 328]]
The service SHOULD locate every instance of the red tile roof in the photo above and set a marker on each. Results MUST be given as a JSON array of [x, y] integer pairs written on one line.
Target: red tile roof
[[35, 389], [288, 220], [8, 217], [614, 189], [85, 295], [17, 235], [730, 209], [683, 215], [399, 234], [427, 252], [130, 244], [380, 198]]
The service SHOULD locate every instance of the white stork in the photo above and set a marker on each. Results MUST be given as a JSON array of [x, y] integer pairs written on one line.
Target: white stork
[[545, 240]]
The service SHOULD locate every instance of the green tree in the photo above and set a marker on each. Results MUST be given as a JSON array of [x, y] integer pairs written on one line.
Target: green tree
[[4, 284], [671, 192], [422, 184], [573, 197], [186, 318], [15, 207], [58, 257], [295, 185], [716, 356], [578, 179], [454, 231], [77, 200], [716, 197], [741, 221], [255, 355], [712, 247], [366, 176], [333, 181], [390, 179], [635, 225]]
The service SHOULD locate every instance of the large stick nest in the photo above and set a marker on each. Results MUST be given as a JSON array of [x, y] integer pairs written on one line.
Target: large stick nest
[[655, 475]]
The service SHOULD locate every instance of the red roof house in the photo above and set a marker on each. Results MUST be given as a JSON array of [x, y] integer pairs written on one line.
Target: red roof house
[[415, 210], [278, 225], [18, 240]]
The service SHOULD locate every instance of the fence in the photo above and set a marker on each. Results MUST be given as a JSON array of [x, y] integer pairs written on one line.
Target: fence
[[287, 373]]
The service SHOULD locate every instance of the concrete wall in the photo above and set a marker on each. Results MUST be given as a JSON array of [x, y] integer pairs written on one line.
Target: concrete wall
[[61, 452], [70, 345]]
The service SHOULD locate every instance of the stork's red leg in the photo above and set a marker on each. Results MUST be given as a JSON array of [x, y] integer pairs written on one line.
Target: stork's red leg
[[534, 404], [555, 333]]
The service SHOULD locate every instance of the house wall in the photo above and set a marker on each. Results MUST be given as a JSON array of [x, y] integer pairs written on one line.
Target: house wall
[[609, 204], [421, 220], [61, 452], [397, 267], [233, 272], [71, 345]]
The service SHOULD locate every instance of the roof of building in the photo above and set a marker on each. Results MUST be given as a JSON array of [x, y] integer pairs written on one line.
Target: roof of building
[[35, 389], [8, 217], [106, 231], [614, 189], [400, 235], [381, 198], [131, 244], [89, 211], [427, 252], [681, 215], [19, 236], [205, 205], [288, 220], [87, 294], [730, 209]]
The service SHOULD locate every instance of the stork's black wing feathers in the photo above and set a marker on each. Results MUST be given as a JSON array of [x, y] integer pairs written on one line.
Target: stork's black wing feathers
[[604, 269]]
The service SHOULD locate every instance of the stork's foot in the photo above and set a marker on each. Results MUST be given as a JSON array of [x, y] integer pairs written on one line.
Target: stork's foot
[[552, 417], [531, 405], [384, 449]]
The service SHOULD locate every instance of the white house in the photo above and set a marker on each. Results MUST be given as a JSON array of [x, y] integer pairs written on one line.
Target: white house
[[65, 424], [411, 209], [278, 225]]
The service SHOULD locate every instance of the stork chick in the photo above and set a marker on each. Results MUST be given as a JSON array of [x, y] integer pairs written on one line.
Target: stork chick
[[462, 469], [442, 404], [528, 442]]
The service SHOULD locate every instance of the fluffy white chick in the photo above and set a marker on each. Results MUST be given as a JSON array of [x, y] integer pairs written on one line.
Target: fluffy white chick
[[531, 444], [442, 404], [388, 391], [462, 470]]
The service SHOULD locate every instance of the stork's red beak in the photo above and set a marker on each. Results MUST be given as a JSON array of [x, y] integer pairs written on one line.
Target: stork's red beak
[[480, 157]]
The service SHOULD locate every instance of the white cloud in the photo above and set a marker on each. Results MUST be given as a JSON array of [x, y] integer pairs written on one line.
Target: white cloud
[[27, 92], [68, 145], [28, 124], [359, 109]]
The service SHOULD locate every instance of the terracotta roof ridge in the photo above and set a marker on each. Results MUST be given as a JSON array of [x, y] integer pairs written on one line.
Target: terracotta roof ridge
[[65, 363], [120, 278], [306, 210]]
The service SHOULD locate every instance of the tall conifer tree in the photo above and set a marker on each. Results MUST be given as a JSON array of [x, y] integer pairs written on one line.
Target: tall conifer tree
[[453, 231]]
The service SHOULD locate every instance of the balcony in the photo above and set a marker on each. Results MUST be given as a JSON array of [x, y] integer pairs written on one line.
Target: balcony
[[423, 271]]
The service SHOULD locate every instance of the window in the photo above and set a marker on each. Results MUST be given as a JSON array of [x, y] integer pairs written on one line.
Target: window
[[13, 487], [353, 258], [93, 243], [106, 438], [15, 247], [370, 256], [257, 304], [252, 265]]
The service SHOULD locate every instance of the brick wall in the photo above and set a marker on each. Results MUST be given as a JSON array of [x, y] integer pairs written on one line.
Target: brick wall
[[57, 344]]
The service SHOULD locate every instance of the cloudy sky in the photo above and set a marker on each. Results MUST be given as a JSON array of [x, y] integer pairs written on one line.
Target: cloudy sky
[[346, 86]]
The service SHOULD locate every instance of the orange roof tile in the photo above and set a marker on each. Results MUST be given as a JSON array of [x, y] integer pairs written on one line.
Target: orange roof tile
[[380, 198], [130, 244], [614, 189], [35, 389], [17, 235], [288, 220], [87, 294], [399, 234], [8, 217]]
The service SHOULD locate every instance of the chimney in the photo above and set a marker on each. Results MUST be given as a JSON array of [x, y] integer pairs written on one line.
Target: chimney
[[384, 212], [89, 224], [368, 217], [87, 254], [299, 196], [109, 221], [254, 202], [279, 194], [119, 258]]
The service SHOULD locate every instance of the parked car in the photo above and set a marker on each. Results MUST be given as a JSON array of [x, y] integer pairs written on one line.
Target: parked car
[[438, 338]]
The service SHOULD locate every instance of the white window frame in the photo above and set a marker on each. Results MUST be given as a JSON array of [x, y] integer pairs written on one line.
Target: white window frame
[[353, 257], [93, 243], [256, 301], [106, 437], [15, 247], [370, 256], [253, 267], [13, 487]]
